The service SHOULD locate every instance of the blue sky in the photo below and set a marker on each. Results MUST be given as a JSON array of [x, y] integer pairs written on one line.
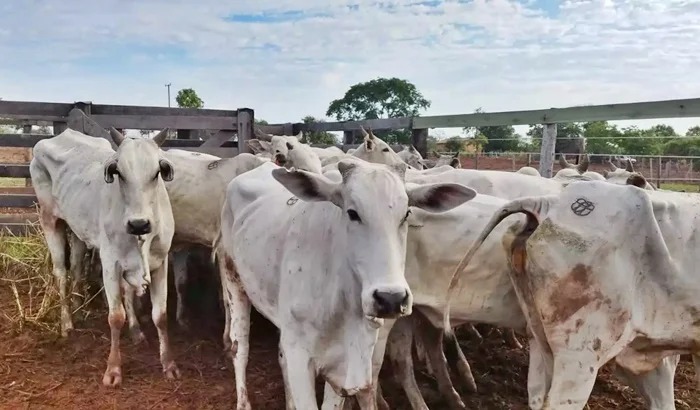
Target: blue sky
[[287, 59]]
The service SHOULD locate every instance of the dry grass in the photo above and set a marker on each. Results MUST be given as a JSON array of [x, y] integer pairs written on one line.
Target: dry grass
[[26, 266]]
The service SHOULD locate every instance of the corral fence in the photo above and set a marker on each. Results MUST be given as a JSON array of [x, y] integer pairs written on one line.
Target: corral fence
[[224, 132]]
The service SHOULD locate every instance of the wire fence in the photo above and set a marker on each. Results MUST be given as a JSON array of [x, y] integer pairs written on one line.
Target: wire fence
[[666, 171]]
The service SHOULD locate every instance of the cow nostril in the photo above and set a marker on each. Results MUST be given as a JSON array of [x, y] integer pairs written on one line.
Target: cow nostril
[[139, 226], [390, 303]]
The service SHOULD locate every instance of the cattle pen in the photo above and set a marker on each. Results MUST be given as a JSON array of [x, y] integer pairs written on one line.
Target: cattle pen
[[38, 369]]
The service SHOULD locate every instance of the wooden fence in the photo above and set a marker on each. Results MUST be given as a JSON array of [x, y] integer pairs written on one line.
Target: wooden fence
[[223, 125]]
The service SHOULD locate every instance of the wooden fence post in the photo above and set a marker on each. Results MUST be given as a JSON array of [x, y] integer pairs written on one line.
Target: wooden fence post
[[658, 172], [27, 129], [476, 160], [348, 137], [244, 129], [59, 127], [419, 139], [529, 160], [549, 139]]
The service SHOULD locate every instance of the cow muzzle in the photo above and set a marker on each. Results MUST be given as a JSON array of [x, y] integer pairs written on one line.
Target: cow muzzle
[[138, 227], [280, 159]]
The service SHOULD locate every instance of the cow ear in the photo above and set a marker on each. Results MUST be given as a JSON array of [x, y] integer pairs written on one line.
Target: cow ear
[[110, 169], [439, 197], [309, 186], [166, 170]]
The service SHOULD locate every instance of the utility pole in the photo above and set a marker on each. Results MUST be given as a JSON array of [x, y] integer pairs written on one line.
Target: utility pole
[[168, 86]]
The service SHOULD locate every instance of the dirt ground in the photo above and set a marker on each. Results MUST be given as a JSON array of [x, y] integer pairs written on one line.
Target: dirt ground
[[38, 369]]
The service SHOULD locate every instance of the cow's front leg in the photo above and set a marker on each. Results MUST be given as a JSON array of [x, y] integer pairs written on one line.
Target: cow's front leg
[[301, 374], [159, 313], [78, 249], [655, 386], [111, 277], [289, 404], [239, 307], [399, 352]]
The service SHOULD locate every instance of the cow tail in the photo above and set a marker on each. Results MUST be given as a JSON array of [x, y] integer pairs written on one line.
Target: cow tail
[[530, 206]]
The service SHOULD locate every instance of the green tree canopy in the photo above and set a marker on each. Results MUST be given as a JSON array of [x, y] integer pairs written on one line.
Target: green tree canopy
[[499, 138], [380, 98], [188, 98], [317, 137], [693, 131]]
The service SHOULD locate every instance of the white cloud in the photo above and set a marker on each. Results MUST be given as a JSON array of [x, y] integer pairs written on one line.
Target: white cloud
[[497, 54]]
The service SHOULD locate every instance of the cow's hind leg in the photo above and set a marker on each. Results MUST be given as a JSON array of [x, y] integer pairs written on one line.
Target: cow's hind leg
[[239, 306], [159, 300], [56, 235], [180, 276], [655, 386], [227, 310]]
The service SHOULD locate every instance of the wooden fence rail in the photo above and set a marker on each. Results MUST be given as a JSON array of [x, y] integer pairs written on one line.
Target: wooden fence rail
[[222, 126]]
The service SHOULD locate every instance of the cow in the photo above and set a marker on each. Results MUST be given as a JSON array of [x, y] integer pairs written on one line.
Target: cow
[[602, 271], [529, 171], [281, 236], [115, 202], [570, 170], [620, 175], [411, 156]]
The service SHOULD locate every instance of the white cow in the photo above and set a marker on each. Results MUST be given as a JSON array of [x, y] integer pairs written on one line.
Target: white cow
[[529, 171], [324, 261], [411, 156], [288, 152], [620, 176], [115, 202], [196, 197], [570, 170], [603, 271]]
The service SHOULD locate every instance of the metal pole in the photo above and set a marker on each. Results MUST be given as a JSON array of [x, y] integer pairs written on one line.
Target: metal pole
[[168, 86]]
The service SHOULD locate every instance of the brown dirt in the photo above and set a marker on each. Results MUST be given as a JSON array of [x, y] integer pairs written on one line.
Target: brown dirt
[[41, 370], [15, 155]]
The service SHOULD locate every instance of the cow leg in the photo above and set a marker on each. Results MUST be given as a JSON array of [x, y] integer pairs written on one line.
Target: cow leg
[[463, 368], [137, 335], [381, 401], [227, 309], [159, 313], [289, 404], [399, 352], [511, 340], [432, 339], [111, 277], [78, 249], [655, 386], [55, 234], [539, 376], [301, 373], [573, 377], [696, 363], [474, 332], [180, 276], [331, 400], [239, 307]]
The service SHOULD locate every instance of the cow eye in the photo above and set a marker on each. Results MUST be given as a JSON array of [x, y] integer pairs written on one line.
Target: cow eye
[[386, 149], [352, 214]]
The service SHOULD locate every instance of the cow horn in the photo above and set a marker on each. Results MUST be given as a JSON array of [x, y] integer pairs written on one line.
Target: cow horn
[[364, 133], [261, 135], [612, 166], [159, 139], [117, 136], [583, 166], [629, 167], [371, 134]]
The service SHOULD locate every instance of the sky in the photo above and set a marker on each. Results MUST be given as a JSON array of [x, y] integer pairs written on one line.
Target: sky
[[287, 59]]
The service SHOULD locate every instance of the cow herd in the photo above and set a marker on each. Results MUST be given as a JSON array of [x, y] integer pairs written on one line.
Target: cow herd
[[363, 255]]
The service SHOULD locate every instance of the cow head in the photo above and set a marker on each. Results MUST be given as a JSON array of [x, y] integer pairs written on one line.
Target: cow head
[[374, 150], [623, 176], [451, 160], [374, 207], [412, 157], [140, 169]]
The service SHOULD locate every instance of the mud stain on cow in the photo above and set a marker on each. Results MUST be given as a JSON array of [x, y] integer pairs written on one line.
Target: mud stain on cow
[[571, 293], [548, 231], [231, 272]]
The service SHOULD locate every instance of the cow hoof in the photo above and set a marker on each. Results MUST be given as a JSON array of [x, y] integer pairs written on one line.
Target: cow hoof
[[112, 377], [171, 371]]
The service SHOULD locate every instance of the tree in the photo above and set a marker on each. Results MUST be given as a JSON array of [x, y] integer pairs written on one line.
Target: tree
[[568, 137], [693, 131], [317, 137], [641, 142], [259, 121], [454, 144], [432, 143], [662, 130], [380, 98], [500, 138], [601, 138], [188, 98]]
